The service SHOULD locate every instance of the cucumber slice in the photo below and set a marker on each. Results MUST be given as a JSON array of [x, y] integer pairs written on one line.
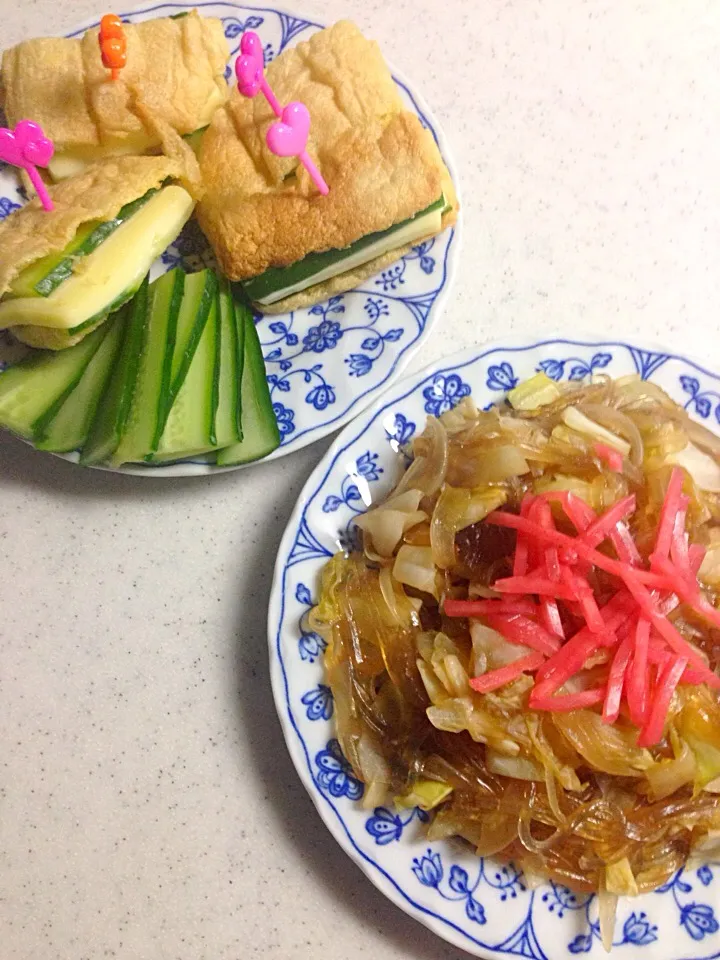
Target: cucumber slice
[[152, 390], [279, 282], [189, 426], [200, 293], [24, 285], [117, 266], [45, 275], [112, 415], [260, 430], [68, 430], [32, 392], [229, 364]]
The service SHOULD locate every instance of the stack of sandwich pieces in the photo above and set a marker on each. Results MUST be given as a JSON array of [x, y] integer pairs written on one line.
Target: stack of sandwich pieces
[[171, 122]]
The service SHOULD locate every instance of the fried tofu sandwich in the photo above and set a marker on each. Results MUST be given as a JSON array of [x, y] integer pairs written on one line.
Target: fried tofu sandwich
[[62, 272], [389, 187], [174, 74]]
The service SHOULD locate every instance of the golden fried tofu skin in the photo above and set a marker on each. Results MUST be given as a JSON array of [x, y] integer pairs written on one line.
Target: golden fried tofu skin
[[63, 271], [175, 70], [383, 168], [97, 194]]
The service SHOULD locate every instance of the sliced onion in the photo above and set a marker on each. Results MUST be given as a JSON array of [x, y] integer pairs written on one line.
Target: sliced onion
[[519, 768], [457, 676], [667, 776], [448, 517], [386, 524], [608, 748], [426, 473], [576, 420], [497, 464], [415, 568], [453, 715], [607, 912], [620, 424], [709, 571], [434, 689], [704, 438], [619, 878], [704, 469]]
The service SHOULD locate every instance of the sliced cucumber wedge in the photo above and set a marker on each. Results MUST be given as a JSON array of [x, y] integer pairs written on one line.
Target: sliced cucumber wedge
[[116, 267], [276, 283], [32, 392], [46, 275], [152, 391], [112, 415], [259, 426], [190, 423], [228, 366], [200, 293], [68, 429]]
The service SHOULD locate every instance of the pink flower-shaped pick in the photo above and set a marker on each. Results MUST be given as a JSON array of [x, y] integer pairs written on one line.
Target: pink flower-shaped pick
[[250, 71], [27, 147], [288, 138]]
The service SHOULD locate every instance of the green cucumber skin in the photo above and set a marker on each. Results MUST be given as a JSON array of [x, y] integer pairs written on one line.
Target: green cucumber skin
[[163, 407], [39, 428], [115, 305], [239, 316], [152, 381], [48, 379], [277, 278], [187, 431], [65, 268], [69, 429], [215, 385], [260, 430], [215, 381], [228, 417], [206, 302], [109, 422], [139, 320], [184, 352]]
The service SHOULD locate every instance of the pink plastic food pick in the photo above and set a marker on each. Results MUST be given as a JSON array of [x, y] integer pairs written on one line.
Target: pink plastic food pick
[[288, 138], [250, 71], [27, 146]]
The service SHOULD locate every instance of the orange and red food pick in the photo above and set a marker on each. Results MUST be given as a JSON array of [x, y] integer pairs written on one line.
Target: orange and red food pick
[[113, 44], [646, 656]]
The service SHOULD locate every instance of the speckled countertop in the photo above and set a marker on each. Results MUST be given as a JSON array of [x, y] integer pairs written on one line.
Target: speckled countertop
[[148, 808]]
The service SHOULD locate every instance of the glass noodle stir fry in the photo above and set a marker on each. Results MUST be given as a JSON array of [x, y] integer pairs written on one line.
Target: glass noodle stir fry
[[527, 644]]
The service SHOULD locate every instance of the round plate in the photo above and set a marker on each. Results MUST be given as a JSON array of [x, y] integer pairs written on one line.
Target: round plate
[[326, 363], [480, 905]]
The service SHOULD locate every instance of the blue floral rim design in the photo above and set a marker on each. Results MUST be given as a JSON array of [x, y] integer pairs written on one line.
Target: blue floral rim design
[[460, 916]]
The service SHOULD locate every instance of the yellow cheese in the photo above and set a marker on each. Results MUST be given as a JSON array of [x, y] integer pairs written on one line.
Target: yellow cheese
[[71, 161], [116, 266], [74, 160]]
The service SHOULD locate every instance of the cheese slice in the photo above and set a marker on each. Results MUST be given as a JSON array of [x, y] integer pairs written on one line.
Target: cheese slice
[[116, 268], [73, 160], [424, 225], [70, 161]]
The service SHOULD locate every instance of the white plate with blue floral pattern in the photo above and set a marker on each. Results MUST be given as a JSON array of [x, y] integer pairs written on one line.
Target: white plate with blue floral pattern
[[482, 906], [326, 363]]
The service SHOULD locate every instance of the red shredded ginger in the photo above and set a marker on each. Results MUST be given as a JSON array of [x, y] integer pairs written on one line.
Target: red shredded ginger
[[647, 657]]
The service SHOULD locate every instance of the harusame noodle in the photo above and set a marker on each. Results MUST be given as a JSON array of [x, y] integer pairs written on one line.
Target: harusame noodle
[[564, 795]]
